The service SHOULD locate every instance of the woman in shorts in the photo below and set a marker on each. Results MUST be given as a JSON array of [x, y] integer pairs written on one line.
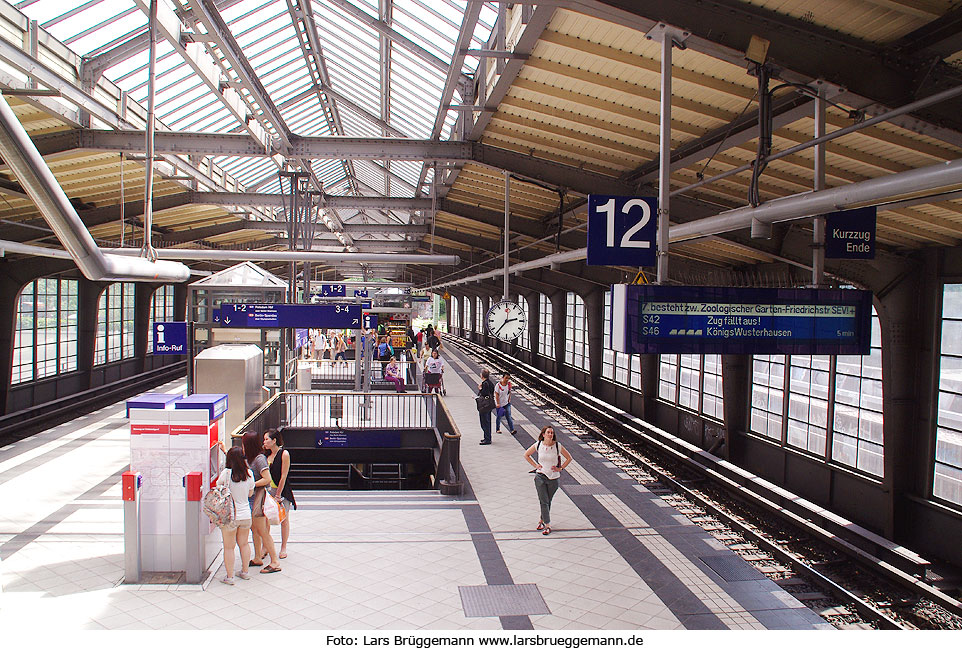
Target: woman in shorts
[[239, 481]]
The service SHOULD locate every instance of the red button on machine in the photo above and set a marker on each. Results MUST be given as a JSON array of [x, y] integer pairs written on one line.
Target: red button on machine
[[194, 482], [129, 486]]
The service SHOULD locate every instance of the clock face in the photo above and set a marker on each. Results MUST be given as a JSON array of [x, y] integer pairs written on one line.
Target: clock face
[[506, 321]]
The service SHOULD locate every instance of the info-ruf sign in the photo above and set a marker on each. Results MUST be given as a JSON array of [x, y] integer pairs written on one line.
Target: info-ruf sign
[[621, 230], [725, 320]]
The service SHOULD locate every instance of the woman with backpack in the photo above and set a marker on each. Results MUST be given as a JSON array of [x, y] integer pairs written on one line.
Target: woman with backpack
[[547, 470], [240, 482], [263, 543]]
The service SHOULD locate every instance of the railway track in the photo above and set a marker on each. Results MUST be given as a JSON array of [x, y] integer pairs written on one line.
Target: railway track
[[841, 587]]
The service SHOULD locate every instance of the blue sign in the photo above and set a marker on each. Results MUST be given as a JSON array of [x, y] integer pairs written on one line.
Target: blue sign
[[724, 320], [851, 234], [622, 230], [170, 338], [215, 315], [367, 438], [215, 404], [360, 293], [301, 337], [370, 321], [290, 315], [420, 299], [333, 290]]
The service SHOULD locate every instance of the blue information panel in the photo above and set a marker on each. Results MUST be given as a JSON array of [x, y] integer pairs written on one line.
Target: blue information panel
[[667, 319], [333, 290], [361, 293], [290, 315], [170, 337], [370, 320], [622, 230], [851, 234], [367, 438], [301, 337]]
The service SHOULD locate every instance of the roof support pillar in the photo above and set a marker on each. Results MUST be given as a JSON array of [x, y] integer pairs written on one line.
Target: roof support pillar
[[818, 235]]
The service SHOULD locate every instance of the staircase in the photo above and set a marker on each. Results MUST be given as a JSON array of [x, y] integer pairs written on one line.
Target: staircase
[[386, 476], [316, 476]]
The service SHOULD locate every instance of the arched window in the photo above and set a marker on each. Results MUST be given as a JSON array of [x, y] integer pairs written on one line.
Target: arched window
[[576, 332], [45, 338], [524, 340], [455, 312], [947, 483], [115, 324], [478, 315], [161, 310], [545, 330]]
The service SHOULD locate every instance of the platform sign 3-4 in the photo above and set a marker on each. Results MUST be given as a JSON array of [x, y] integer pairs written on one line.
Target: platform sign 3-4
[[621, 230]]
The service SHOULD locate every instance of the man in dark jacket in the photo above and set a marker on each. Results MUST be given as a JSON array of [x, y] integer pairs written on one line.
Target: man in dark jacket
[[486, 388]]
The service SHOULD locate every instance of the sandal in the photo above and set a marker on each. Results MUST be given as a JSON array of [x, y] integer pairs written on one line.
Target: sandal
[[545, 532], [282, 555], [270, 569], [540, 525], [255, 563]]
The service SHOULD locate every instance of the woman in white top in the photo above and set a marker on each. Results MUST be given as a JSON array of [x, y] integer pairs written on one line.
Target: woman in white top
[[238, 479], [547, 471], [434, 364]]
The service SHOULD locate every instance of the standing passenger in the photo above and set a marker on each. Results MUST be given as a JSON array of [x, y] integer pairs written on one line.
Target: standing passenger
[[279, 464], [254, 452], [547, 471], [239, 481], [486, 388], [502, 400]]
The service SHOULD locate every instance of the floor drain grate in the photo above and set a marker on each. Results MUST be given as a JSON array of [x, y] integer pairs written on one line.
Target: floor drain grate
[[502, 600]]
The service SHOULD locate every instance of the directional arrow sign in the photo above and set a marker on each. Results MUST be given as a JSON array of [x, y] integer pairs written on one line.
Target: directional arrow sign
[[290, 315]]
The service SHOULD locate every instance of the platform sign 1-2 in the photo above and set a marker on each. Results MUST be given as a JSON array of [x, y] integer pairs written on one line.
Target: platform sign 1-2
[[333, 290], [170, 337], [622, 230], [290, 315]]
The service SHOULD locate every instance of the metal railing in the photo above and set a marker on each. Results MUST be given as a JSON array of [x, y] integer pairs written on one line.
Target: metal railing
[[356, 410], [374, 410]]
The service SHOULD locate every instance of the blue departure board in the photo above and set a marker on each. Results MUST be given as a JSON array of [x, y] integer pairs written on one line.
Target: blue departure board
[[290, 315], [724, 320]]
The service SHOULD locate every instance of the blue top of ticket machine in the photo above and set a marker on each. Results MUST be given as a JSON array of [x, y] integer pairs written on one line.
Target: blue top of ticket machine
[[725, 320], [290, 315]]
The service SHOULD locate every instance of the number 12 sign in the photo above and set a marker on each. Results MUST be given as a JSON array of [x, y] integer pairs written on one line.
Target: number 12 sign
[[621, 230]]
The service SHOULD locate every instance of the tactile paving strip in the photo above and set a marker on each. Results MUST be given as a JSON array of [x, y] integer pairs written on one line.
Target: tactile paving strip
[[502, 600], [732, 569]]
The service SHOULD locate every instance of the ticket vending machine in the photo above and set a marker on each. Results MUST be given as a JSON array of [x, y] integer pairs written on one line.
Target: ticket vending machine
[[197, 425], [149, 456], [171, 436]]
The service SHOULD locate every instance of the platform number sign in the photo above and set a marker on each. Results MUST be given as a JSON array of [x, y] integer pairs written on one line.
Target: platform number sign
[[621, 230]]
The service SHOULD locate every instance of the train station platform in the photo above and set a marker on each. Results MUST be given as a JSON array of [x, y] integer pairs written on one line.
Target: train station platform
[[619, 558]]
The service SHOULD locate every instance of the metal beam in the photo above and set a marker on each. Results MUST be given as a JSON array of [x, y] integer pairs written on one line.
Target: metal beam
[[263, 199]]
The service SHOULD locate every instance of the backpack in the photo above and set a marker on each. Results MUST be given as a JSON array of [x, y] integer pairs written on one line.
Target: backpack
[[219, 506]]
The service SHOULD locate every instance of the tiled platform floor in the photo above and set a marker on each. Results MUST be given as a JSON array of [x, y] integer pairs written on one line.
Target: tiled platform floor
[[618, 558]]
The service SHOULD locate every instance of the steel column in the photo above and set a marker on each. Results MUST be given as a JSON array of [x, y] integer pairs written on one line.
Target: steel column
[[664, 159], [818, 235], [147, 251], [507, 229]]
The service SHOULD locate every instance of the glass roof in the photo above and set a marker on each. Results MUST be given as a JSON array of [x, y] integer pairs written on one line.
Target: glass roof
[[394, 82]]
